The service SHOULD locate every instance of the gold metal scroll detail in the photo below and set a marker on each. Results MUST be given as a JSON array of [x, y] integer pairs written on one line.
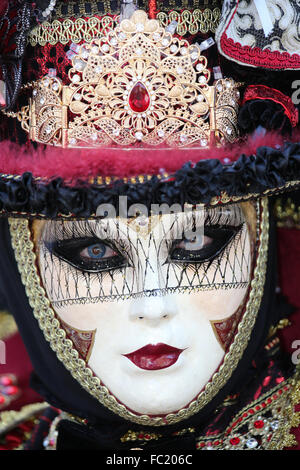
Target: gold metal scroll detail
[[96, 109], [56, 336]]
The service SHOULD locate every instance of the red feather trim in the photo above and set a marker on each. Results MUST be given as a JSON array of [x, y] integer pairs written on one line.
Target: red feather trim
[[82, 163]]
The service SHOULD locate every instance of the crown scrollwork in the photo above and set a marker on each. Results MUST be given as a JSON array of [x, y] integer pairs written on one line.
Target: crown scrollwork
[[137, 84]]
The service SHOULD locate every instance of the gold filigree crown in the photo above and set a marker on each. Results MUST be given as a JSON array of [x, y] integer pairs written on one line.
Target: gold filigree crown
[[136, 84]]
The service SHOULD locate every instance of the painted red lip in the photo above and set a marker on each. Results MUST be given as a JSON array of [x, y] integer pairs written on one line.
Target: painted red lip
[[155, 356]]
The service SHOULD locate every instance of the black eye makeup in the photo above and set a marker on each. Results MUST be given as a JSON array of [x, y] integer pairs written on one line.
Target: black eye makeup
[[203, 247], [90, 260], [88, 254]]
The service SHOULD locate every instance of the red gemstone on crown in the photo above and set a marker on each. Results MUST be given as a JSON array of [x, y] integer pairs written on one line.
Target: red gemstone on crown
[[139, 99], [259, 424], [234, 441]]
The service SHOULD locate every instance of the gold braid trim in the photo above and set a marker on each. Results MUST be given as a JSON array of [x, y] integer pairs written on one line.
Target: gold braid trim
[[11, 419], [76, 30]]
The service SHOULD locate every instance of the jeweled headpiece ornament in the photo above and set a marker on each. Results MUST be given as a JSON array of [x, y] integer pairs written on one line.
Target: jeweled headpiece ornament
[[137, 83]]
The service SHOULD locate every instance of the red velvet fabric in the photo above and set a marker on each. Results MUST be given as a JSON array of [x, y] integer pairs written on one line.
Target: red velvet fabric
[[289, 282]]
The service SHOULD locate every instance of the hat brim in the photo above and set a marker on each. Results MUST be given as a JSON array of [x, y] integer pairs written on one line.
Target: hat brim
[[209, 181]]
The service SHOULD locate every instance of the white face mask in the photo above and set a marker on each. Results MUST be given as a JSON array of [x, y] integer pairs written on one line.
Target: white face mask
[[151, 304]]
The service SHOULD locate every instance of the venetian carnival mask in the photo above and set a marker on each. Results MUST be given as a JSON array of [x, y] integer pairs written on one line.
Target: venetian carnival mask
[[152, 305]]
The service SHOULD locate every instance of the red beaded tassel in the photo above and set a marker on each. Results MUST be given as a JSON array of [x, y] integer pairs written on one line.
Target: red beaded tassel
[[152, 9]]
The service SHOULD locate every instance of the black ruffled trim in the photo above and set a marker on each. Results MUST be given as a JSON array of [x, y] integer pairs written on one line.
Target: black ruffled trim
[[265, 113], [267, 172]]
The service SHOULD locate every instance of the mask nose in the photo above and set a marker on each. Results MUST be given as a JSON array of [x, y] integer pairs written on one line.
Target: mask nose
[[153, 309]]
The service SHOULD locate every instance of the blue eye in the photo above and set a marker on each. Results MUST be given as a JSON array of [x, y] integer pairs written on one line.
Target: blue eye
[[88, 254], [96, 251]]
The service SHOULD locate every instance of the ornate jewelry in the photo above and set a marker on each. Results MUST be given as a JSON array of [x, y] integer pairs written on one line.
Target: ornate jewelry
[[136, 84]]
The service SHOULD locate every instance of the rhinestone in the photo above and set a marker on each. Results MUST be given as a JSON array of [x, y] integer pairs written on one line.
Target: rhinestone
[[203, 142], [183, 51], [219, 87], [199, 67], [200, 98], [274, 425], [251, 443], [42, 100], [183, 138], [160, 133], [228, 131], [165, 42], [138, 135], [48, 130], [95, 49], [122, 36], [94, 137], [139, 51], [116, 132], [55, 86], [173, 48], [73, 141], [228, 85], [76, 78], [105, 48], [98, 69], [113, 41], [171, 28], [202, 80], [194, 55], [156, 36], [34, 92], [77, 96], [46, 82], [84, 54], [75, 47], [237, 94], [79, 65], [140, 27], [46, 442], [179, 70], [226, 160]]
